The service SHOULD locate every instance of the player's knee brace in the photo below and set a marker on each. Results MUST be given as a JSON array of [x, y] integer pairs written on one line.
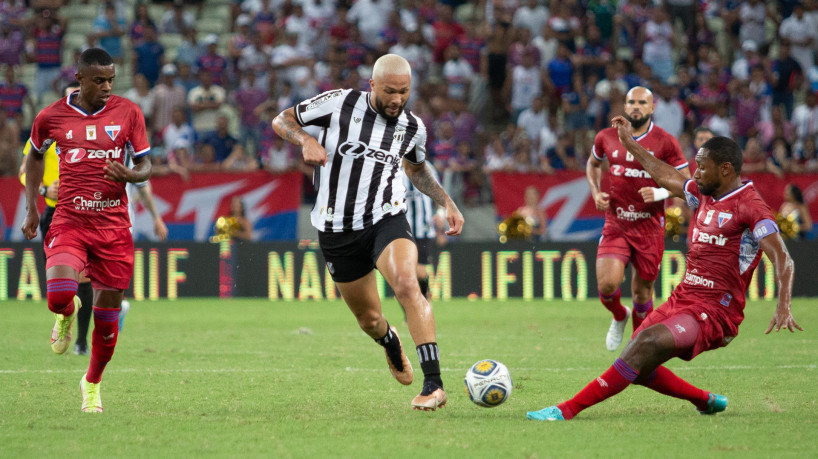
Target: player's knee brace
[[60, 294]]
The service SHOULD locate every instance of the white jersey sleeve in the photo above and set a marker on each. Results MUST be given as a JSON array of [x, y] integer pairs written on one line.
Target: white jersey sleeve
[[318, 110]]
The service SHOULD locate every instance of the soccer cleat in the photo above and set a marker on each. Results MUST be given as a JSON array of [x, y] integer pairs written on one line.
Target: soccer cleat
[[715, 404], [617, 330], [431, 402], [406, 376], [91, 401], [61, 333], [124, 307], [552, 413], [80, 349]]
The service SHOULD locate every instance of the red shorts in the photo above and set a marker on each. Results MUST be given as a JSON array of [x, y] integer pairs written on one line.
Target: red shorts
[[715, 331], [105, 254], [644, 251]]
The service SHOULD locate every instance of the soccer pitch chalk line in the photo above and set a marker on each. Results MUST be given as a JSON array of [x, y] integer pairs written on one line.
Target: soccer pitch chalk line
[[354, 369]]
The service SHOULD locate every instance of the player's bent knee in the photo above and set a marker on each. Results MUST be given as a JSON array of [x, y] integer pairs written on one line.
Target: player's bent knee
[[607, 288], [60, 294], [406, 286]]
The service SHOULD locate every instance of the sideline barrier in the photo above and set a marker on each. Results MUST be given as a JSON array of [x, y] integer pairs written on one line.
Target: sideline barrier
[[296, 271]]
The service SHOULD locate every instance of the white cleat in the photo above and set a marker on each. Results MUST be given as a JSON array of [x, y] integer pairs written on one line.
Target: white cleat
[[617, 331]]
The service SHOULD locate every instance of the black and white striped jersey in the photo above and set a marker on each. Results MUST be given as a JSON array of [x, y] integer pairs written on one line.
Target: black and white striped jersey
[[420, 209], [362, 180]]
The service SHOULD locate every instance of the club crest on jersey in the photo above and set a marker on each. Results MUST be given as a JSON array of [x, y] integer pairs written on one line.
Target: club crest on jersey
[[90, 132], [399, 135], [724, 217], [112, 131]]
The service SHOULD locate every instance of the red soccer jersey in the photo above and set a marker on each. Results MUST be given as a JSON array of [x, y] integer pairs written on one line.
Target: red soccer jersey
[[84, 141], [628, 210], [725, 250]]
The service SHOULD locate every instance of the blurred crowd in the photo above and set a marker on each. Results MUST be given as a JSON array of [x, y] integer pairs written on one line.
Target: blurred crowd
[[502, 85]]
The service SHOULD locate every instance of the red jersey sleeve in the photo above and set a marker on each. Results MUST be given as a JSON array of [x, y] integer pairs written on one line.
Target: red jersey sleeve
[[39, 132], [758, 216], [598, 149], [139, 136], [692, 194]]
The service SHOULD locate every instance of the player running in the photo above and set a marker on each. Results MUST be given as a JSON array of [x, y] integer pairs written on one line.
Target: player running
[[733, 226], [368, 142], [634, 230], [90, 228]]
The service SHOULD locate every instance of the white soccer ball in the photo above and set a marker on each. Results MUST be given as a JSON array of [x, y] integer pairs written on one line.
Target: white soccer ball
[[488, 383]]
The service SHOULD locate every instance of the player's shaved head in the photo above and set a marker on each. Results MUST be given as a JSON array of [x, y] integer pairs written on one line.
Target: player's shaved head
[[639, 106], [724, 150], [391, 83], [95, 56], [640, 92], [390, 64]]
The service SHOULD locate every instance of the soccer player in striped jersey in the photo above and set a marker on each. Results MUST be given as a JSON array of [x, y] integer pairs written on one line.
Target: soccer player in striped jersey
[[367, 143]]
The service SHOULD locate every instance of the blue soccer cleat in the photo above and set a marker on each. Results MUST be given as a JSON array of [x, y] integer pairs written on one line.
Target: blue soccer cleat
[[715, 404], [552, 413]]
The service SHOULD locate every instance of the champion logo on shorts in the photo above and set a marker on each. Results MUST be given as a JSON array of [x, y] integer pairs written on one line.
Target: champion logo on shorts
[[330, 267], [50, 244]]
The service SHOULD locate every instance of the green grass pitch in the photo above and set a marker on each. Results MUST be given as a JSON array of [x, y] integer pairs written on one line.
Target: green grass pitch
[[253, 378]]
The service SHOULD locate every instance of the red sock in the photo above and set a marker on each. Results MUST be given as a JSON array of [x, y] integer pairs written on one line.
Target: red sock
[[611, 303], [106, 329], [60, 295], [666, 382], [640, 312], [613, 381]]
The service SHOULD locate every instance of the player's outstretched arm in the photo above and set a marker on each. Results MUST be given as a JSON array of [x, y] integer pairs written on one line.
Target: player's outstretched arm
[[426, 183], [287, 127], [662, 173], [35, 168], [775, 249]]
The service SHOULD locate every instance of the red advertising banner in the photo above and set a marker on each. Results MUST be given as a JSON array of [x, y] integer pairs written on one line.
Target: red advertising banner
[[572, 215], [190, 208]]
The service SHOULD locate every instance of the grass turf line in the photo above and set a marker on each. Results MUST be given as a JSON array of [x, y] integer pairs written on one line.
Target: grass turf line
[[253, 378]]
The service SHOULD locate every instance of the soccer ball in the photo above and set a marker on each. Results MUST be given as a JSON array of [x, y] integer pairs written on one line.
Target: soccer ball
[[488, 383]]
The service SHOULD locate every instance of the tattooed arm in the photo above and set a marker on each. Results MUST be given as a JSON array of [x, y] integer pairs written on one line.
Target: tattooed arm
[[422, 178], [288, 129]]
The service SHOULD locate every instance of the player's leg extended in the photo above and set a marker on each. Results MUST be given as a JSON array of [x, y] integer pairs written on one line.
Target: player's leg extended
[[103, 343], [361, 296], [62, 281], [684, 329], [642, 298], [610, 271], [652, 347], [398, 264]]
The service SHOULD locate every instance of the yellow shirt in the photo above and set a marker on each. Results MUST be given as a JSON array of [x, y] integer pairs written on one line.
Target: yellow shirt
[[52, 168]]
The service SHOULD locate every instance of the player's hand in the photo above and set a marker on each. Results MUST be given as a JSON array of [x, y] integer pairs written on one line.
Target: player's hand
[[313, 153], [30, 224], [52, 190], [454, 218], [602, 201], [647, 194], [623, 128], [160, 229], [783, 319], [117, 172]]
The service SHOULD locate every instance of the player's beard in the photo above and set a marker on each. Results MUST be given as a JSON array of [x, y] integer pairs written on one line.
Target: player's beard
[[707, 190], [637, 123], [381, 109]]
